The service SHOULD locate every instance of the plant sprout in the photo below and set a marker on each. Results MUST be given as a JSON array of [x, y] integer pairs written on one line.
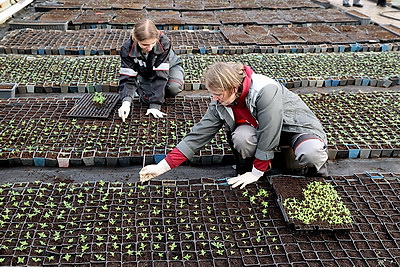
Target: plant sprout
[[321, 201]]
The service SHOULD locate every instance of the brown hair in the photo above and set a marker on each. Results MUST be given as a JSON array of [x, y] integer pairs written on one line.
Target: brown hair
[[224, 76], [144, 30]]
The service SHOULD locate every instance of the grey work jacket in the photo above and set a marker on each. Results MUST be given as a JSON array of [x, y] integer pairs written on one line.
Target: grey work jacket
[[275, 108]]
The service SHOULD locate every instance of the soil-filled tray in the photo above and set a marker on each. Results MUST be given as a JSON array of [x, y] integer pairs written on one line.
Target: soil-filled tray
[[260, 35], [59, 4], [60, 15], [48, 25], [187, 223], [311, 204], [85, 107], [165, 17], [127, 16], [236, 35], [95, 17]]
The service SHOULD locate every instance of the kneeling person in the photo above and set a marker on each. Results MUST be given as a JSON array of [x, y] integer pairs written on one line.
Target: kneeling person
[[260, 115]]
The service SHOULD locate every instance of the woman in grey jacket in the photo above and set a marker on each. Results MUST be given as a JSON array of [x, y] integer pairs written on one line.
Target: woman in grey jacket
[[260, 114]]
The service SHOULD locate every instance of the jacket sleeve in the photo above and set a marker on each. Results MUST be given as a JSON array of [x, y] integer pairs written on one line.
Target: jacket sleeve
[[160, 77], [127, 79], [201, 134], [175, 158], [269, 109]]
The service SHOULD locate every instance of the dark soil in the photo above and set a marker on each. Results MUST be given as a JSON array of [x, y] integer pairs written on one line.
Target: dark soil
[[270, 242]]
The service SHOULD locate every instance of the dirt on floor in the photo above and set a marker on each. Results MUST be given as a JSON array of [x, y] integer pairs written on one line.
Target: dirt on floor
[[343, 167]]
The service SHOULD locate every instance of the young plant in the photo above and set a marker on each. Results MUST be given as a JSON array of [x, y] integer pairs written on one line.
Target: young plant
[[321, 202], [99, 98]]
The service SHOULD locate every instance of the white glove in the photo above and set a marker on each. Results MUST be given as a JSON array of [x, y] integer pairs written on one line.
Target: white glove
[[156, 113], [150, 171], [246, 178], [124, 110]]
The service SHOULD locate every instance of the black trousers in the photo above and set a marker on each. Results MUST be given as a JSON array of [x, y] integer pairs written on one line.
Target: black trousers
[[381, 3]]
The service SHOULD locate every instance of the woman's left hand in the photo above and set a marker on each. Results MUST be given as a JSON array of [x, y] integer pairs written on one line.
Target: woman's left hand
[[243, 180], [156, 113]]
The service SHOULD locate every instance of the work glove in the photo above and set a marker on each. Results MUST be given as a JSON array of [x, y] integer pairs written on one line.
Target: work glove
[[150, 171], [156, 113], [246, 178], [124, 110]]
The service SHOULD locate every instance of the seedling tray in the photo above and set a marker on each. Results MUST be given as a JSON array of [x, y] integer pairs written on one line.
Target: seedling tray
[[48, 25], [86, 108], [310, 203]]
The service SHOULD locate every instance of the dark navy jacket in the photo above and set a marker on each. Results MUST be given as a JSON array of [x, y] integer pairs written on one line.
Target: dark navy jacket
[[154, 70]]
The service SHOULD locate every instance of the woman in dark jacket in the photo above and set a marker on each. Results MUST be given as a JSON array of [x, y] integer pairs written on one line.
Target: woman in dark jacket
[[149, 67]]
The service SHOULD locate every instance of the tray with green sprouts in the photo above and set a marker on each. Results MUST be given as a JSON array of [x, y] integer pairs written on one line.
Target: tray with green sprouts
[[311, 203]]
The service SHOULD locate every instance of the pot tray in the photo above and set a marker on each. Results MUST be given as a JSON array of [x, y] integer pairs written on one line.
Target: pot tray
[[293, 187], [86, 108]]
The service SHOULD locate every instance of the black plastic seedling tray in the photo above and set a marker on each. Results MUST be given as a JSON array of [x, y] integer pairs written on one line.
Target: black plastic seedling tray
[[295, 188], [86, 108]]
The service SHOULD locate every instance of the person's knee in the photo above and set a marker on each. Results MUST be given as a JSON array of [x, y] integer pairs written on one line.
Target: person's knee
[[311, 153], [244, 140], [173, 88]]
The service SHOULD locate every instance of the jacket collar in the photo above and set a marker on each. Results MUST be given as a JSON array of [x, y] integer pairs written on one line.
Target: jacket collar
[[245, 87]]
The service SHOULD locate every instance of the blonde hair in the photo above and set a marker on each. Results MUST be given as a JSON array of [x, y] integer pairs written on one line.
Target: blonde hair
[[144, 30], [224, 76]]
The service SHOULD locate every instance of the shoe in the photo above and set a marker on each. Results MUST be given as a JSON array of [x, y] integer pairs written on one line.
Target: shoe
[[346, 5], [358, 5], [244, 165], [382, 5], [312, 171]]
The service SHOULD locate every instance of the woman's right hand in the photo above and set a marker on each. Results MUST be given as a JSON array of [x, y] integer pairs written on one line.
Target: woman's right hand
[[124, 110], [150, 171]]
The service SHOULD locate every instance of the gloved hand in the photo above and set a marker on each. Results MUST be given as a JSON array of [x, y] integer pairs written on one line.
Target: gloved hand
[[246, 178], [124, 110], [150, 171], [156, 113]]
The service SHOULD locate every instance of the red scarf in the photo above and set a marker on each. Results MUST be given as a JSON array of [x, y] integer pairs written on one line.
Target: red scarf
[[240, 110], [242, 115]]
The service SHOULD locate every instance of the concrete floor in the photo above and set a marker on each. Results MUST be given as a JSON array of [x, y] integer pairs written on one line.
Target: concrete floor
[[343, 167], [377, 14]]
